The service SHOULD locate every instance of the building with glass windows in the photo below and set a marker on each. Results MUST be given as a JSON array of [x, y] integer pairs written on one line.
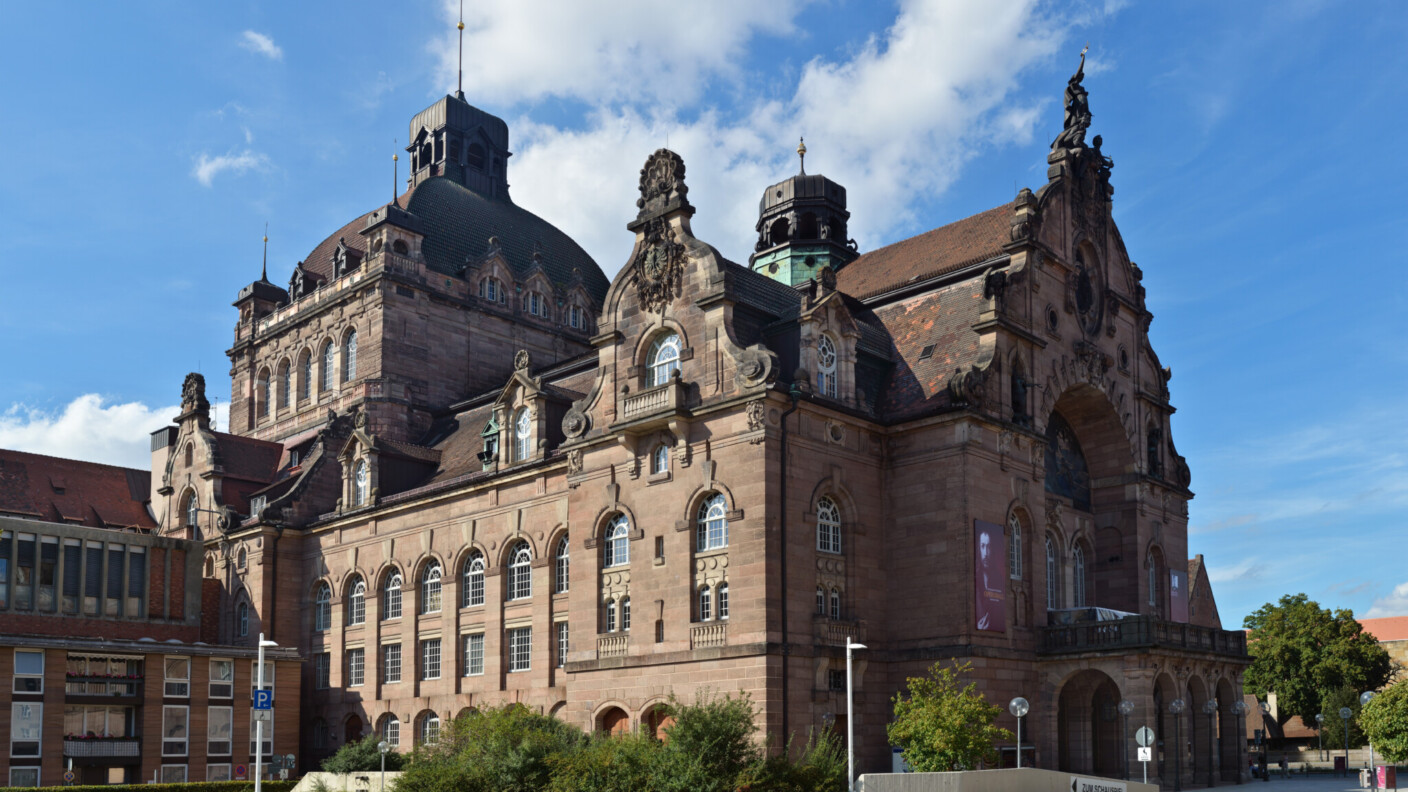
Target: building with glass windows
[[466, 468]]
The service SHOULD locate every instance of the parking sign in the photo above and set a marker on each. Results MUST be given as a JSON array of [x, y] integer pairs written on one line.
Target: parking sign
[[263, 699]]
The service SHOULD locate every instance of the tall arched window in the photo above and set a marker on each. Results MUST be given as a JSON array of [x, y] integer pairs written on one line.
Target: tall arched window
[[618, 537], [826, 366], [820, 601], [1078, 590], [1014, 547], [706, 605], [472, 586], [560, 567], [349, 356], [285, 386], [522, 435], [610, 615], [491, 290], [430, 588], [192, 510], [723, 600], [712, 532], [391, 731], [262, 393], [242, 619], [663, 359], [357, 602], [1053, 601], [625, 614], [322, 607], [520, 572], [1153, 568], [329, 364], [391, 597], [429, 729], [828, 526], [836, 603], [660, 459], [305, 375], [361, 483]]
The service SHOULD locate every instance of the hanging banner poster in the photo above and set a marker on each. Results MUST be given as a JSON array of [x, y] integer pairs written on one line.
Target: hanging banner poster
[[1178, 595], [990, 576]]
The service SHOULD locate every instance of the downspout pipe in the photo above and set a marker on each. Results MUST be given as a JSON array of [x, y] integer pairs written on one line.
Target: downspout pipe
[[794, 392]]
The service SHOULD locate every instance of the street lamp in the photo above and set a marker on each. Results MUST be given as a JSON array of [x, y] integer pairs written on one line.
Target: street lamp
[[1364, 699], [1176, 707], [1345, 714], [259, 724], [1126, 707], [850, 718], [1239, 708], [383, 747], [1265, 742], [1019, 707], [1210, 708], [1320, 738]]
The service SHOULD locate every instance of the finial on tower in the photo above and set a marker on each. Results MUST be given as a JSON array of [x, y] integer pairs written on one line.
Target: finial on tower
[[264, 271], [459, 83], [802, 154], [395, 172]]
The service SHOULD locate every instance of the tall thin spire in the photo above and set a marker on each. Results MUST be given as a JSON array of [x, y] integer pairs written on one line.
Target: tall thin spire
[[264, 272], [395, 172], [459, 83], [802, 155]]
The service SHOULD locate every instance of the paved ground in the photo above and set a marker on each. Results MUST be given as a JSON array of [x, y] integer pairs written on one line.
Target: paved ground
[[1315, 783]]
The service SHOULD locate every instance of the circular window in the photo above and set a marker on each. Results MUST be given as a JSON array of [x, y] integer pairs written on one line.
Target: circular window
[[1124, 358], [1052, 319], [779, 193]]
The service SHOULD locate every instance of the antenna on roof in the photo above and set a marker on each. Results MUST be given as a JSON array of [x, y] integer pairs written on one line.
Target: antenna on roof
[[459, 83], [802, 154], [264, 273], [395, 172]]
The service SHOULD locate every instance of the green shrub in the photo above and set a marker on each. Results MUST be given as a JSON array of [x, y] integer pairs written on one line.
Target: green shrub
[[195, 786], [362, 757], [502, 749], [709, 745], [608, 763]]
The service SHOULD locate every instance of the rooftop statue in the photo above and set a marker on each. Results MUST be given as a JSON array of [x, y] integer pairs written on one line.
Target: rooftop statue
[[1077, 111]]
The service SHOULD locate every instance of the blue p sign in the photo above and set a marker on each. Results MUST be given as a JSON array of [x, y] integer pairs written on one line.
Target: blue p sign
[[263, 699]]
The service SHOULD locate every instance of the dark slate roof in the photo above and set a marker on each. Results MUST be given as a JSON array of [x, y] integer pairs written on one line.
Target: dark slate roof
[[71, 491], [933, 253], [249, 459], [760, 291], [459, 222]]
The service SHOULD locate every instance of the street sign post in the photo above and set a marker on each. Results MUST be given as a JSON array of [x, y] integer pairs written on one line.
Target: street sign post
[[263, 699], [1145, 738]]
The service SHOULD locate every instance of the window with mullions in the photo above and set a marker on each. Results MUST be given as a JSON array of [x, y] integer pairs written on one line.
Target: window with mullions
[[322, 608], [430, 659], [26, 725], [560, 567], [429, 729], [520, 649], [660, 459], [722, 596], [828, 526], [820, 601], [222, 679], [391, 731], [29, 672], [391, 663], [611, 615], [472, 586], [535, 304], [24, 776], [474, 654], [562, 644], [430, 588], [349, 357], [356, 667], [329, 365], [322, 670], [826, 366], [836, 604], [712, 530], [357, 602], [1014, 550], [242, 619], [361, 483], [706, 604], [178, 677], [1078, 590], [520, 572], [305, 375], [618, 545], [219, 731], [663, 359], [391, 597], [522, 435], [175, 733], [1053, 599], [625, 614]]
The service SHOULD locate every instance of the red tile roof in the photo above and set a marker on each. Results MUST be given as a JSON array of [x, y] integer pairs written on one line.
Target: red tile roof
[[72, 491], [945, 249], [1392, 628], [248, 458]]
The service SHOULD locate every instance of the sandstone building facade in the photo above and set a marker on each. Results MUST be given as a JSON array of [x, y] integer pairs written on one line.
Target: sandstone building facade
[[464, 468]]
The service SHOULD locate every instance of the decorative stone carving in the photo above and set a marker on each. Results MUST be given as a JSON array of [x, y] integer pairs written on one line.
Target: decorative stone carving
[[1077, 120], [574, 461], [658, 265], [360, 421], [575, 423], [1024, 218], [662, 187], [968, 387], [756, 366], [756, 413], [193, 395], [522, 360]]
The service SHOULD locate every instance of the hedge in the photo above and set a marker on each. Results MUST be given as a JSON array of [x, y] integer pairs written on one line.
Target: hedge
[[196, 786]]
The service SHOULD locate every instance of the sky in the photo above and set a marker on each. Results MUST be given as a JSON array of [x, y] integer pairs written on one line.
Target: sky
[[1258, 169]]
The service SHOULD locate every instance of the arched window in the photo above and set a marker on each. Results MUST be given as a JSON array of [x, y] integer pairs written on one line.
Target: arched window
[[305, 375], [357, 602], [826, 366], [828, 526], [262, 393], [1078, 590], [361, 483], [835, 603], [522, 435], [430, 588], [706, 608], [1053, 601], [611, 616], [242, 619], [241, 559], [713, 525], [192, 510], [391, 597], [349, 356], [1153, 567], [625, 614], [618, 537], [663, 360], [1014, 549], [560, 567], [820, 601], [285, 386], [322, 608], [520, 573], [400, 248], [723, 600], [329, 364], [535, 304], [476, 156], [491, 290], [391, 731], [576, 317], [429, 729], [190, 454], [660, 459], [472, 587]]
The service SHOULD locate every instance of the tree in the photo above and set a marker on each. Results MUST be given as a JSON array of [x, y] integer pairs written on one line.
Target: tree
[[361, 757], [942, 727], [1334, 728], [1385, 722], [1301, 652]]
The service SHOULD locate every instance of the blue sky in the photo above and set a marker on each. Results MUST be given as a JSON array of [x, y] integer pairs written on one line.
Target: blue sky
[[1258, 164]]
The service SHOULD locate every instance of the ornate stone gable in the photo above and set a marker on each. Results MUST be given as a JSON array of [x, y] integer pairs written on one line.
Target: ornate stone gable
[[658, 265], [662, 188]]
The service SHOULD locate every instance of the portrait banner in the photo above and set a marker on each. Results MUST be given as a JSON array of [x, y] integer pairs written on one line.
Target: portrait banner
[[990, 576]]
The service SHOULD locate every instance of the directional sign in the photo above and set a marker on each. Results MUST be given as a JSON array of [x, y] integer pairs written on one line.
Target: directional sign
[[263, 699], [1079, 784], [1146, 754], [1145, 736]]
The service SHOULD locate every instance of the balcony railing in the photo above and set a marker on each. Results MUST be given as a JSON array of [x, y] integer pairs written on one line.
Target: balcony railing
[[612, 646], [102, 746], [705, 636], [835, 633], [664, 399], [1140, 632], [125, 688]]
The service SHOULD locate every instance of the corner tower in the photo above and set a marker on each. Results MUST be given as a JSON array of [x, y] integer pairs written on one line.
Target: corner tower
[[802, 227]]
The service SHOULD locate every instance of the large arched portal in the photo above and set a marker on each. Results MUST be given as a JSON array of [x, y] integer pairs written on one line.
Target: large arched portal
[[1228, 732], [613, 720], [1088, 725]]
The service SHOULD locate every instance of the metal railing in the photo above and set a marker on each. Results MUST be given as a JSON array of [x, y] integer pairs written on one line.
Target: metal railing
[[103, 746], [1138, 632]]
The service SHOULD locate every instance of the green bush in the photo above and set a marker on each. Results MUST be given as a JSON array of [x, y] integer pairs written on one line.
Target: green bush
[[708, 746], [362, 757], [1385, 721], [607, 763], [196, 786], [491, 750]]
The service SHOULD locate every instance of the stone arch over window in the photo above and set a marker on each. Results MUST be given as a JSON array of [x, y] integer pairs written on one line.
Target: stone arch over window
[[389, 729], [430, 585], [261, 392], [820, 601], [828, 525], [660, 459], [329, 366], [190, 454], [305, 374], [472, 580], [834, 603], [361, 483], [427, 728], [1053, 575], [711, 523], [349, 355], [392, 587], [561, 567], [241, 559], [285, 386], [356, 600], [704, 603], [241, 615], [492, 289], [777, 232], [519, 580], [616, 541], [322, 607], [190, 510], [1016, 532], [1080, 576], [826, 365], [663, 356], [522, 434]]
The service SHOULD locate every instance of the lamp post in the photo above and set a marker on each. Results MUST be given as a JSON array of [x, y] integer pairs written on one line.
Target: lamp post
[[1126, 707], [1364, 699], [1319, 737], [383, 747], [850, 718], [1210, 709], [1019, 708], [259, 724], [1265, 742], [1239, 709], [1176, 707], [1345, 714]]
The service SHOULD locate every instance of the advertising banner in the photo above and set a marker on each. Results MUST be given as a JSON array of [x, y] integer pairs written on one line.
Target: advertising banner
[[990, 576], [1178, 595]]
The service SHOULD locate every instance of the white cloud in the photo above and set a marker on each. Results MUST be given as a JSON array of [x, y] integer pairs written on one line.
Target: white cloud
[[894, 123], [1248, 570], [1395, 604], [208, 167], [261, 44], [92, 429]]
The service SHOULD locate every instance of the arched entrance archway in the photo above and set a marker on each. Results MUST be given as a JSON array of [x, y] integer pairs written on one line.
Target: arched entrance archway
[[1088, 727], [1200, 728], [656, 720], [613, 720], [1227, 733], [352, 729], [1165, 691]]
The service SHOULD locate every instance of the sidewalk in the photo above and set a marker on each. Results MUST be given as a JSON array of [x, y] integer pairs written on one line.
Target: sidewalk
[[1315, 783]]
